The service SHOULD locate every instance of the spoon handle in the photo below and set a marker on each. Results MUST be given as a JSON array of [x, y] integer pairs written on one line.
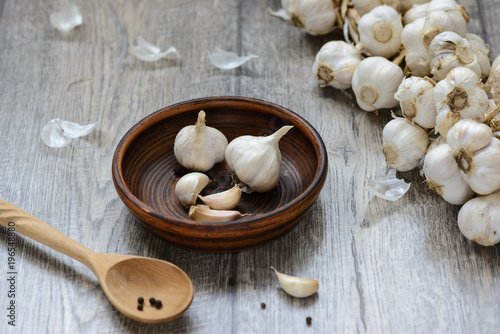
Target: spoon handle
[[18, 220]]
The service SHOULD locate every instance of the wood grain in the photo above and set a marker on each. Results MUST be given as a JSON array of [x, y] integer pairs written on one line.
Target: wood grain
[[382, 267]]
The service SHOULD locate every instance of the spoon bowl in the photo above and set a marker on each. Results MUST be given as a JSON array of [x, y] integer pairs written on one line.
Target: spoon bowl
[[123, 278]]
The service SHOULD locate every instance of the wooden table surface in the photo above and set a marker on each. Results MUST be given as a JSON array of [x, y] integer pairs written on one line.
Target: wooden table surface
[[383, 267]]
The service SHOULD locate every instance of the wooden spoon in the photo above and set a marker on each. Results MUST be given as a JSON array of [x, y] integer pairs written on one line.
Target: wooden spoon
[[124, 278]]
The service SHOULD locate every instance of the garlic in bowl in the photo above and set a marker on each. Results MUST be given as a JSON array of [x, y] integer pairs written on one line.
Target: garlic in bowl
[[145, 172]]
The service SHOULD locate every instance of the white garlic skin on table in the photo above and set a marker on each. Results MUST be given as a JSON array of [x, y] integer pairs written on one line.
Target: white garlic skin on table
[[225, 200], [365, 6], [459, 96], [375, 82], [479, 219], [444, 177], [482, 51], [189, 186], [380, 31], [257, 160], [199, 147], [335, 64], [317, 17], [448, 51], [404, 144], [297, 286], [416, 99]]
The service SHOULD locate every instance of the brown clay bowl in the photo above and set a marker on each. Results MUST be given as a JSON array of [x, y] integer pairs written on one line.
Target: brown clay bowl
[[145, 172]]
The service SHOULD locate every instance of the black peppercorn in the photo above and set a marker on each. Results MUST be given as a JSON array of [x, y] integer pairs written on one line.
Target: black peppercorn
[[309, 321], [152, 301], [263, 306], [140, 300], [139, 307], [158, 304]]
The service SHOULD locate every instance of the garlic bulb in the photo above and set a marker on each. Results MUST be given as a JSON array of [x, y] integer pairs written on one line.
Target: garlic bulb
[[365, 6], [317, 17], [335, 64], [493, 83], [477, 154], [482, 51], [199, 147], [448, 51], [479, 219], [257, 160], [297, 286], [444, 177], [459, 96], [225, 200], [375, 82], [380, 31], [189, 186], [410, 4], [415, 12], [405, 144], [203, 213], [416, 98]]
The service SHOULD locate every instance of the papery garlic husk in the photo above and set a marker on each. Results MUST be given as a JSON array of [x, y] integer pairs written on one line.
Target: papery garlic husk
[[407, 5], [225, 200], [482, 51], [449, 51], [459, 96], [414, 13], [380, 31], [365, 6], [416, 98], [203, 213], [493, 82], [257, 160], [389, 187], [317, 17], [404, 145], [297, 286], [335, 64], [477, 154], [189, 186], [375, 82], [199, 147], [479, 219], [444, 177], [494, 123]]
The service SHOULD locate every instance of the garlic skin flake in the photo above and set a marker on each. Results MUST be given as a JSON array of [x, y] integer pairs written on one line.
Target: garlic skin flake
[[459, 96], [189, 186], [416, 98], [225, 200], [203, 213], [389, 187], [317, 17], [375, 82], [479, 219], [257, 160], [199, 147], [380, 31], [405, 144], [67, 18], [226, 60], [335, 64], [297, 286], [58, 133], [146, 51]]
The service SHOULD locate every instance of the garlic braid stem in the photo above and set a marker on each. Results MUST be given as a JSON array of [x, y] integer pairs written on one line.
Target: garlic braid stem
[[492, 114]]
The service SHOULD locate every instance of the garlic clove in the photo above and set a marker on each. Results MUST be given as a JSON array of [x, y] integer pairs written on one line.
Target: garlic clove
[[317, 17], [189, 186], [297, 286], [225, 200], [203, 213], [199, 147], [479, 219]]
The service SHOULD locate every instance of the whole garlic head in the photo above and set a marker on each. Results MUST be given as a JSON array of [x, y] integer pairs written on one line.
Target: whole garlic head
[[257, 160], [459, 96], [375, 82], [482, 51], [335, 64], [404, 145], [365, 6], [199, 147], [416, 98], [407, 5], [380, 31], [479, 219], [317, 17], [493, 83]]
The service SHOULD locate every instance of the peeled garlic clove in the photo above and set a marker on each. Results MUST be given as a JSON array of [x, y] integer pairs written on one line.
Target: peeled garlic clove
[[416, 98], [257, 160], [225, 200], [317, 17], [189, 186], [380, 31], [203, 213], [297, 286], [199, 147], [479, 219], [335, 64], [404, 145], [375, 82]]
